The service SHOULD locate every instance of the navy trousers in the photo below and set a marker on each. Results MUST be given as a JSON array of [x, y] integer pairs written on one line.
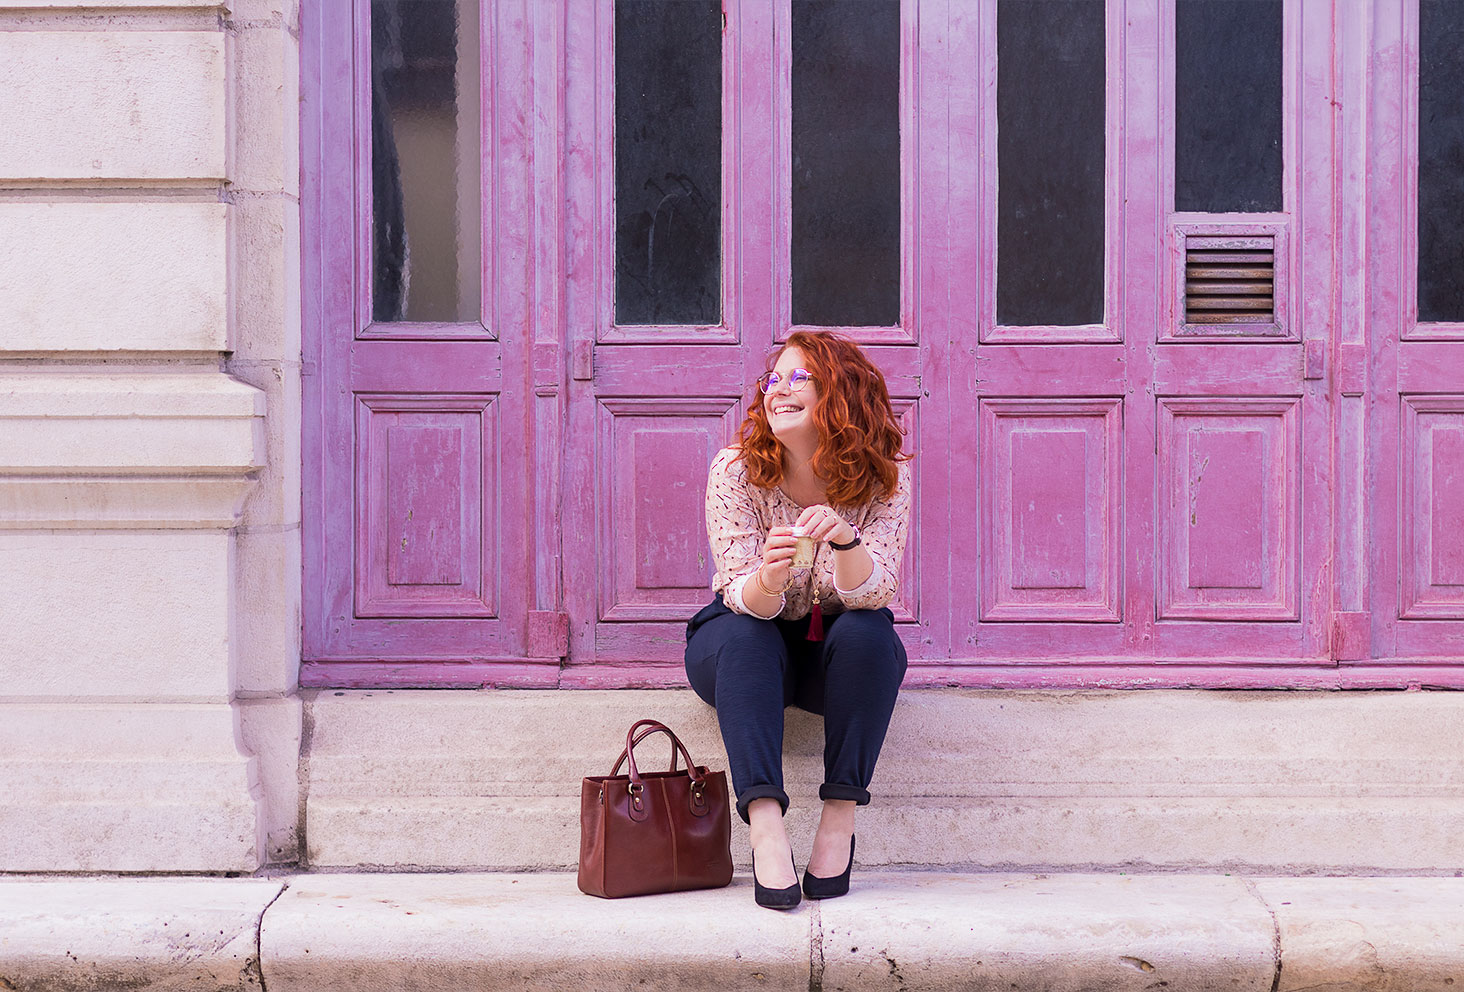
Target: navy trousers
[[751, 669]]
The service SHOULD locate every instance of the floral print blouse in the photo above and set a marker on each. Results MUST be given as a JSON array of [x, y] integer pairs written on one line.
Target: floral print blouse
[[739, 516]]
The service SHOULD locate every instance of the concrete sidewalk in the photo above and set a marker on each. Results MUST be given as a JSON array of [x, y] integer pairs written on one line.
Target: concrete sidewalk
[[895, 931]]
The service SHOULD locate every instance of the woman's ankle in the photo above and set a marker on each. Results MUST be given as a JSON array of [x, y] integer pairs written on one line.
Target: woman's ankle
[[765, 823], [837, 817]]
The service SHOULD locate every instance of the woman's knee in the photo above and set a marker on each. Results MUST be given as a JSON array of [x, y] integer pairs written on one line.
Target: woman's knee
[[729, 645], [867, 638], [872, 628]]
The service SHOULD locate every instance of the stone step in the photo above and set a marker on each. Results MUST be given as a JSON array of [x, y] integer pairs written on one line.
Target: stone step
[[1275, 781], [894, 931]]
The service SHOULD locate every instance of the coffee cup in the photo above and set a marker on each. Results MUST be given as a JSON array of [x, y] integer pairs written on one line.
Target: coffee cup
[[803, 553]]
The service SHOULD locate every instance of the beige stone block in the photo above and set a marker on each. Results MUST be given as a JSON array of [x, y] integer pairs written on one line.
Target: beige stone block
[[125, 786], [115, 613], [1176, 743], [270, 730], [266, 63], [119, 392], [1074, 933], [266, 265], [529, 833], [1374, 934], [1275, 781], [266, 11], [122, 731], [95, 105], [451, 931], [121, 502], [1235, 833], [128, 422], [267, 610], [112, 276], [158, 934], [537, 832], [274, 501], [179, 835]]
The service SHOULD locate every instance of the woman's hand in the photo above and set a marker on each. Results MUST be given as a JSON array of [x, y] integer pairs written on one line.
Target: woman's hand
[[777, 558], [822, 524]]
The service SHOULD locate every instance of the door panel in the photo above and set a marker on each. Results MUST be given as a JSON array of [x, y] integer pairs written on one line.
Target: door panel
[[656, 452], [651, 404], [1229, 509], [1053, 504], [1407, 375], [421, 573], [1172, 500], [428, 536], [1431, 460]]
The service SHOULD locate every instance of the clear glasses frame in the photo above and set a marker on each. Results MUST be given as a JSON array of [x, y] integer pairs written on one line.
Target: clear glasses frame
[[797, 379]]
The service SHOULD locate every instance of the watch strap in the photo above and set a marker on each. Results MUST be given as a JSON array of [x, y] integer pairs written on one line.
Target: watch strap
[[858, 540]]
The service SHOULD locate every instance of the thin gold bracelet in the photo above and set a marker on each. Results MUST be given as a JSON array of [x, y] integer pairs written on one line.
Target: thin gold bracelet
[[757, 577]]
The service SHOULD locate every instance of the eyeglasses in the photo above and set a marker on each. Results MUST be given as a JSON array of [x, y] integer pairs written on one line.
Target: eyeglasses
[[797, 379]]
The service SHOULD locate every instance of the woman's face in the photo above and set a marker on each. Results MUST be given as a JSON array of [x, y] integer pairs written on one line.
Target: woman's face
[[789, 411]]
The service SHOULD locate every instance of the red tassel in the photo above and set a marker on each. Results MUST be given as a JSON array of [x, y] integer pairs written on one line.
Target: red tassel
[[815, 622]]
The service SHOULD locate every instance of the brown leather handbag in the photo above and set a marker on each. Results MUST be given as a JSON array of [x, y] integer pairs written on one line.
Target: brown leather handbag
[[654, 831]]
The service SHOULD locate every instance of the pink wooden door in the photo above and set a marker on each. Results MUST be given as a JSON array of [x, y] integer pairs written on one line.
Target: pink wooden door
[[652, 400], [1113, 357], [1143, 480], [1401, 423], [417, 237]]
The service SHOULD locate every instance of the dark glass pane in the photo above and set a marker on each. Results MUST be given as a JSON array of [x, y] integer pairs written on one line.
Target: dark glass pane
[[1441, 160], [425, 161], [1227, 105], [668, 162], [846, 162], [1049, 145]]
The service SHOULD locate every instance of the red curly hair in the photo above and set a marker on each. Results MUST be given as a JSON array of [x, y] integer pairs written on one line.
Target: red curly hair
[[858, 436]]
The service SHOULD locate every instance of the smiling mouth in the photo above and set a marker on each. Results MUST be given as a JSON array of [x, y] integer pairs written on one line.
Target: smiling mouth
[[786, 409]]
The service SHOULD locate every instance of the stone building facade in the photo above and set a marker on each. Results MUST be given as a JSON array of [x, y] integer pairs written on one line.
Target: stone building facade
[[182, 446]]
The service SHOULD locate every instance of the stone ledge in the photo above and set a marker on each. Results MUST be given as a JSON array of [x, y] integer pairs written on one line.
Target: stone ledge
[[1149, 780], [894, 931], [129, 450], [145, 933], [119, 393]]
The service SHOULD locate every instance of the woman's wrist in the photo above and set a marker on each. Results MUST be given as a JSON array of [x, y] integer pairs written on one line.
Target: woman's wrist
[[763, 586]]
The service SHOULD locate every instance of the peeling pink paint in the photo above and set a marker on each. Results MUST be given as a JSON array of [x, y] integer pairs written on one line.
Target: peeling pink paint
[[1132, 503]]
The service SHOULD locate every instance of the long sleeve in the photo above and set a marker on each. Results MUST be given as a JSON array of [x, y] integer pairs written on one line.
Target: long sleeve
[[883, 527], [736, 528]]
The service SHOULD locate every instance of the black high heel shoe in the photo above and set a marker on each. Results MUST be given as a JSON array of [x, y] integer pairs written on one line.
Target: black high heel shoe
[[827, 888], [774, 898]]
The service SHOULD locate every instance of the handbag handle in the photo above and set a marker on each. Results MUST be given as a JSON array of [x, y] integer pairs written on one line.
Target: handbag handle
[[642, 735], [653, 727]]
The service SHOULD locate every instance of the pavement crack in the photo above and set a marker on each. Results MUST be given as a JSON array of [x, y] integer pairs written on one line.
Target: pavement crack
[[302, 812], [1250, 886], [258, 962], [894, 968], [815, 948]]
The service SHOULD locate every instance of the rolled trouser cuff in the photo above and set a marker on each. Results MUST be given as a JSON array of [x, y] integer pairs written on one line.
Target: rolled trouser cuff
[[831, 790], [760, 792]]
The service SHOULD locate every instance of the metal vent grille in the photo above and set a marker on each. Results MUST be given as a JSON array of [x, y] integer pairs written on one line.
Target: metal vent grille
[[1229, 280]]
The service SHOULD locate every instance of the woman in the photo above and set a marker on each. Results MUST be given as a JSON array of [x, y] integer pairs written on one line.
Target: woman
[[820, 453]]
